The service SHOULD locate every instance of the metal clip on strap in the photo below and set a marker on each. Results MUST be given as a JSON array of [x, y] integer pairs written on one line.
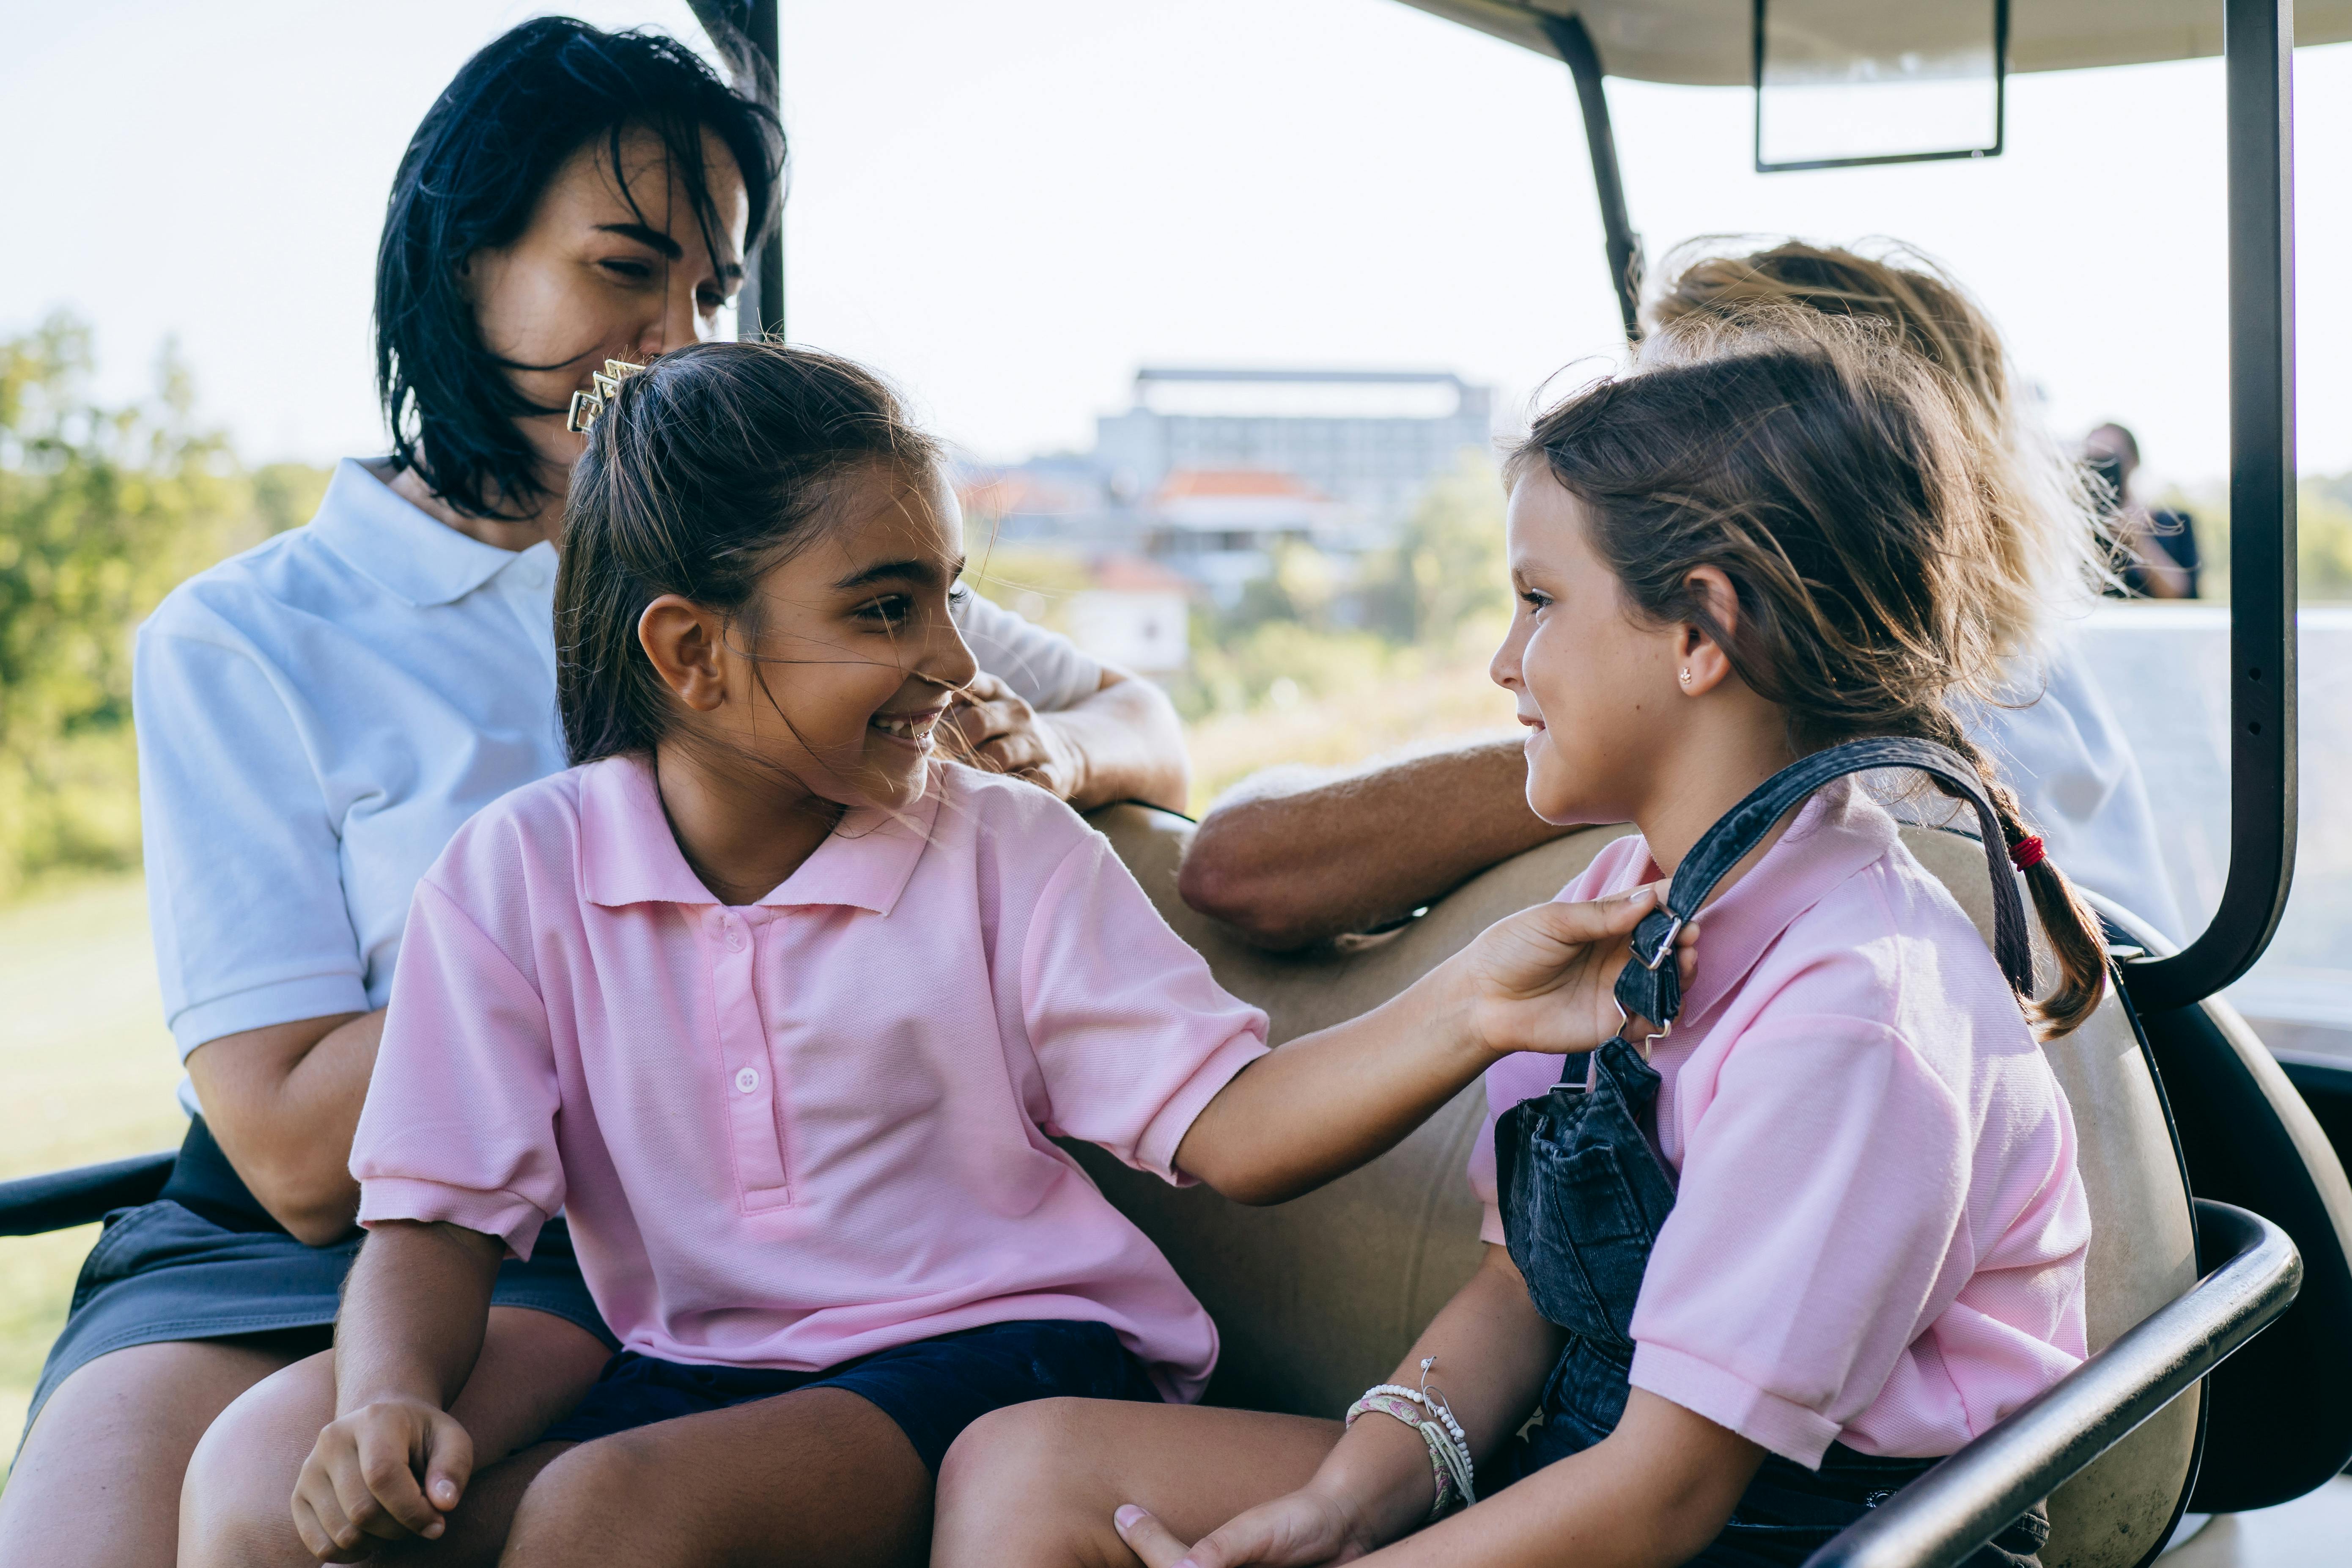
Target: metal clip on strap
[[1650, 987]]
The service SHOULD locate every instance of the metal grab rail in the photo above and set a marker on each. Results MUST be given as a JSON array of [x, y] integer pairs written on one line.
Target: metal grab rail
[[1939, 1518], [34, 1206]]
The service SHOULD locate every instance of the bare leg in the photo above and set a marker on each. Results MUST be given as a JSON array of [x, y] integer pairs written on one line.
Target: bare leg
[[1035, 1486], [233, 1511], [819, 1477], [97, 1484]]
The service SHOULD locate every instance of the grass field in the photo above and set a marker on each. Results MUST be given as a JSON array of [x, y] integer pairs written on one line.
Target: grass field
[[87, 1071]]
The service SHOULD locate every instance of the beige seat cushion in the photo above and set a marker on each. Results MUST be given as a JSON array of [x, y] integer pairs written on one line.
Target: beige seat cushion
[[1319, 1298]]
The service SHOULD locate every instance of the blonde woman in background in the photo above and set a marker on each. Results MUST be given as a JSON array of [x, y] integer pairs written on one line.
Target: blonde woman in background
[[1292, 866]]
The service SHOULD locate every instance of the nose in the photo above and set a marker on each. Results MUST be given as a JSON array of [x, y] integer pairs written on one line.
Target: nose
[[949, 659], [1503, 669], [677, 322]]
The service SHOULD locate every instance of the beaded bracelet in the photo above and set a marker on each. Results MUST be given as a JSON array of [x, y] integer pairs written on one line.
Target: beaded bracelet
[[1439, 1475], [1449, 1447]]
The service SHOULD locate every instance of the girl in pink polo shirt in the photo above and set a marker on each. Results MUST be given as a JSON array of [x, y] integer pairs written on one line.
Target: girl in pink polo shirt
[[1810, 1219], [785, 1015]]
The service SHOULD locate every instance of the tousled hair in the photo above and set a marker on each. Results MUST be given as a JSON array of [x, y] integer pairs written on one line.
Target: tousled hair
[[2047, 535], [1828, 474], [708, 466], [469, 181]]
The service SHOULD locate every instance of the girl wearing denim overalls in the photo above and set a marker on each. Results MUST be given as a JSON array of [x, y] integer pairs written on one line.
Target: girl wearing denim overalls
[[1808, 1218]]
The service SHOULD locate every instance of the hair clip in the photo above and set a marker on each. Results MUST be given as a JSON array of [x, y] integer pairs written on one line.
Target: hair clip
[[587, 405]]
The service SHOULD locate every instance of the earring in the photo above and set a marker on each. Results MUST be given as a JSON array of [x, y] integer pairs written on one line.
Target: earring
[[1686, 677]]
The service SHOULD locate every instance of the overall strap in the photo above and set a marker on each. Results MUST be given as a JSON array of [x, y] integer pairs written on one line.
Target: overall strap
[[1651, 988]]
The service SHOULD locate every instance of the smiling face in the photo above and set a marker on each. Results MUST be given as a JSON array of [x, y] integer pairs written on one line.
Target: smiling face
[[613, 265], [1596, 687], [837, 672]]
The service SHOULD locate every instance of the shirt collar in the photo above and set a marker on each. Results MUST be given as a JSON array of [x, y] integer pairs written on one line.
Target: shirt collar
[[405, 550], [628, 855], [1837, 832]]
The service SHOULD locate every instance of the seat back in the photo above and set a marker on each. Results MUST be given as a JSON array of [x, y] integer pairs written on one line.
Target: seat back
[[2281, 1409], [1317, 1298]]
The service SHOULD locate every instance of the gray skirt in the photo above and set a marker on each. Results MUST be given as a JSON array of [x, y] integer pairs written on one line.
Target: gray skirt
[[206, 1261]]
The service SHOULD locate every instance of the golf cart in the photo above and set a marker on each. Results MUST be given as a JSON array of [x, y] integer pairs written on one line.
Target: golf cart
[[2221, 1210]]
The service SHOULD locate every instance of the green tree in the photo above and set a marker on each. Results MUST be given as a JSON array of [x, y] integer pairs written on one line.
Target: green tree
[[101, 512], [1450, 571], [2323, 537]]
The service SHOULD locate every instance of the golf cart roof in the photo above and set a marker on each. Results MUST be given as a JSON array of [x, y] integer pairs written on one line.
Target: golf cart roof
[[1711, 43]]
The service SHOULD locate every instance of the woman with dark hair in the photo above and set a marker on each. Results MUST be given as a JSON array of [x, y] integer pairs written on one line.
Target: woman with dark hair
[[317, 716]]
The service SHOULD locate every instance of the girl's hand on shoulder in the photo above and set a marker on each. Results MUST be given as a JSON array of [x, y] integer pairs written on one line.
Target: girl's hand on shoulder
[[360, 1488], [1544, 979], [1301, 1529]]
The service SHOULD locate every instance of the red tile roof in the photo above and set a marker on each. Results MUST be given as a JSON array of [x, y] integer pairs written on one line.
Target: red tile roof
[[1184, 484]]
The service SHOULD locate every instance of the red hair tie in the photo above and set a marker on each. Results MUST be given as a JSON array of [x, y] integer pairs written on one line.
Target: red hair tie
[[2027, 853]]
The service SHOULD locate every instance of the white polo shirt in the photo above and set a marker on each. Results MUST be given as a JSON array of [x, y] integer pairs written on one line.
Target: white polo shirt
[[318, 715], [2060, 748], [2079, 781]]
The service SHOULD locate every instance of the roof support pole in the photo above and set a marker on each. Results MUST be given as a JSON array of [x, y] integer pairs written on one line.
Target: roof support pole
[[759, 310], [748, 34], [2258, 51], [1624, 246]]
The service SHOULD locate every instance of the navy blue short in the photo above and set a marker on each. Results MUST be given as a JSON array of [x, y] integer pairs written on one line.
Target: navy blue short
[[932, 1388]]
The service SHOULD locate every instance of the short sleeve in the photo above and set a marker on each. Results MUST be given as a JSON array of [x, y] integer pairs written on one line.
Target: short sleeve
[[1131, 1032], [244, 860], [1045, 668], [459, 1124], [1812, 1234]]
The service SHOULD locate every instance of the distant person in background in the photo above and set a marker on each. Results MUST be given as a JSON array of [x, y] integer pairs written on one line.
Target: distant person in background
[[2156, 549], [316, 716], [1293, 863]]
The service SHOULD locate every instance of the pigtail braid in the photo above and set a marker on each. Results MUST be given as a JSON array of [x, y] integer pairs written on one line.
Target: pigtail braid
[[2076, 937]]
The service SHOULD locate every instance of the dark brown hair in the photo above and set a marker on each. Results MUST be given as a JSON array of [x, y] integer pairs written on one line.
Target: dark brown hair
[[708, 467], [1827, 475]]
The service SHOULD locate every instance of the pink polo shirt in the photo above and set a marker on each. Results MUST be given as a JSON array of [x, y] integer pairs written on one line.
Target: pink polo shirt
[[1878, 1231], [818, 1126]]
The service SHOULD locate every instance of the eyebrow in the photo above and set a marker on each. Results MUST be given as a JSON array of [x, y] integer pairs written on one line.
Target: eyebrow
[[655, 240], [913, 570]]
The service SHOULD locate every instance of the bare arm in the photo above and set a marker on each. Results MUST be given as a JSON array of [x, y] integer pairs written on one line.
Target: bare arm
[[1122, 742], [1295, 867], [1132, 741], [1653, 1493], [393, 1463], [1328, 1102], [283, 1103]]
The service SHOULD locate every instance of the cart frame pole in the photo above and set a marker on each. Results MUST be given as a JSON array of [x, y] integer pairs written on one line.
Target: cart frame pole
[[749, 36], [2258, 50], [1624, 245]]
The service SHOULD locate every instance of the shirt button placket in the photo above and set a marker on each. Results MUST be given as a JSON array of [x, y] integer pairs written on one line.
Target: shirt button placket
[[751, 1092]]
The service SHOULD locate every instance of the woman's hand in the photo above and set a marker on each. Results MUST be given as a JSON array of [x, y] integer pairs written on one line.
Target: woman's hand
[[360, 1486], [1544, 979], [999, 731], [1307, 1527]]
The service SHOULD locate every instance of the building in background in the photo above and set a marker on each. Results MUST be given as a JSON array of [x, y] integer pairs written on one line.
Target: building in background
[[1368, 439], [1219, 474], [1138, 616], [1224, 527]]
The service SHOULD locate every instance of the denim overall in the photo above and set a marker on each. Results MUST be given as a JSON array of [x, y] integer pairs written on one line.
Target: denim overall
[[1583, 1192]]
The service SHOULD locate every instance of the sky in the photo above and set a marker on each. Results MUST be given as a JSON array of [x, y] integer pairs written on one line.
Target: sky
[[1009, 206]]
